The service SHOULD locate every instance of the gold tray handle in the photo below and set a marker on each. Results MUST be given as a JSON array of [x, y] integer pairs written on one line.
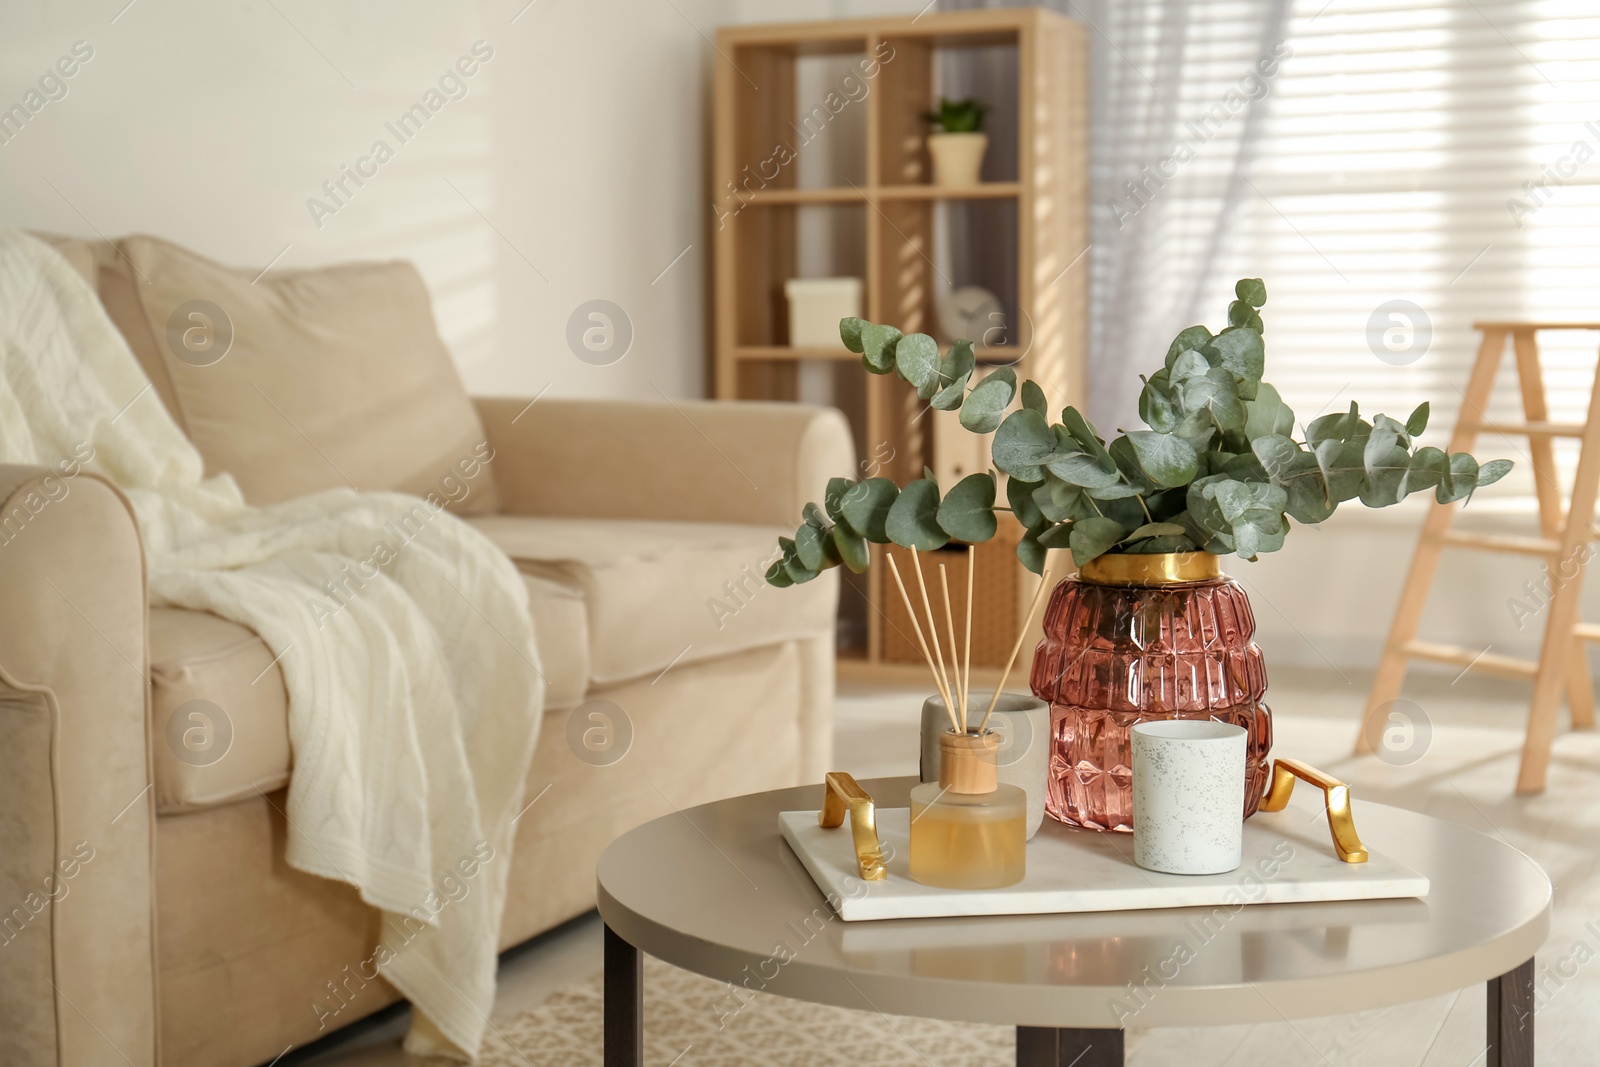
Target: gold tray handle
[[841, 794], [1341, 821]]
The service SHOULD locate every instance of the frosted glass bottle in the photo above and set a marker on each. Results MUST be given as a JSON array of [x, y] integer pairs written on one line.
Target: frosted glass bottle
[[968, 831]]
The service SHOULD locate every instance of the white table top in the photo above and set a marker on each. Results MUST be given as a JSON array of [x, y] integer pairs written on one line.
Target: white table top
[[716, 890]]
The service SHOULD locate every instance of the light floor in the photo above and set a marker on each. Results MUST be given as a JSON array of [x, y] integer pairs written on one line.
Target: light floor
[[1465, 772]]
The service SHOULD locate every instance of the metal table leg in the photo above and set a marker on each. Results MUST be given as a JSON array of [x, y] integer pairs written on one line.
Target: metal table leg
[[1044, 1046], [1510, 1020], [624, 1011]]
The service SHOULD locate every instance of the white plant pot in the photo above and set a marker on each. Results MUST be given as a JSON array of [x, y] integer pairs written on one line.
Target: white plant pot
[[957, 158]]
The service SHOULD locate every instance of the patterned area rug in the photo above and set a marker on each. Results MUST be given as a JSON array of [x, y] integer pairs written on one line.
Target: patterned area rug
[[692, 1021]]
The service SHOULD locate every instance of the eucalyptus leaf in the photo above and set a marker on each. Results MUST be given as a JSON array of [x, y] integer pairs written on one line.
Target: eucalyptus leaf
[[985, 406], [866, 508], [1239, 351], [1158, 545], [797, 571], [1252, 291], [1158, 407], [1059, 502], [1493, 471], [833, 497], [1030, 552], [1093, 537], [967, 513], [808, 547], [777, 577], [1189, 364], [1119, 491], [1418, 420], [1056, 536], [1344, 468], [850, 333], [1239, 499], [1198, 429], [958, 360], [1428, 465], [877, 347], [1155, 529], [1022, 444], [1277, 455], [916, 359], [1080, 468], [851, 548], [1087, 438], [1033, 398], [913, 518], [950, 397], [1240, 466], [1267, 414], [1019, 494], [1164, 460], [1192, 339], [1460, 479]]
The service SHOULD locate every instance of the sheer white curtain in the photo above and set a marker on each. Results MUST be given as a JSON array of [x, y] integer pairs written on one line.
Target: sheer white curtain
[[1438, 160], [1178, 90]]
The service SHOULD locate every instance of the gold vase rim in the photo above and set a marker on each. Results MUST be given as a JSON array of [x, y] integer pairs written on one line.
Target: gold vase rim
[[1165, 568]]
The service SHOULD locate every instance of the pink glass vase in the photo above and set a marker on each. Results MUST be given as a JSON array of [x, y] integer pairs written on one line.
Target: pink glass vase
[[1138, 638]]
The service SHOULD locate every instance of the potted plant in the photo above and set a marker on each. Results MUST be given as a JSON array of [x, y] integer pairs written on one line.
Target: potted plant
[[958, 146], [1149, 627]]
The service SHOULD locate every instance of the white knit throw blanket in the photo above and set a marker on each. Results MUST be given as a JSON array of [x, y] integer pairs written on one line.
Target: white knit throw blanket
[[413, 710]]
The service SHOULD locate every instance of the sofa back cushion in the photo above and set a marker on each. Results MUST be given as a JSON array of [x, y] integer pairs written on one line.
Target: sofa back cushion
[[295, 381]]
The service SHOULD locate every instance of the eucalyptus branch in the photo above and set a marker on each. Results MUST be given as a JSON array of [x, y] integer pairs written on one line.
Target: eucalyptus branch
[[1216, 470]]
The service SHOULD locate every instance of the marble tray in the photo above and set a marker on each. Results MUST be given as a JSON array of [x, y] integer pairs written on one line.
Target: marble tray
[[1288, 857]]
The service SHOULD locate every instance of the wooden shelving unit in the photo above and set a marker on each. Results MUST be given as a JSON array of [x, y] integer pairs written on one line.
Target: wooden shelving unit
[[1035, 198]]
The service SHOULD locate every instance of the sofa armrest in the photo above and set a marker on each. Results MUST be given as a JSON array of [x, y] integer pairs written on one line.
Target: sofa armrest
[[77, 814], [688, 460]]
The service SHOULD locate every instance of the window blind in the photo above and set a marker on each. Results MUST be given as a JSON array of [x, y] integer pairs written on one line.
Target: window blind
[[1422, 166]]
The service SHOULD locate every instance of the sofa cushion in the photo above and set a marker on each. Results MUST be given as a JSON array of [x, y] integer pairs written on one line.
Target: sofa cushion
[[219, 710], [295, 381], [660, 593]]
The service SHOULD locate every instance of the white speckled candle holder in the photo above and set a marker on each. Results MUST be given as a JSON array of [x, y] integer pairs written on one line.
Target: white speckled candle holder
[[1188, 796]]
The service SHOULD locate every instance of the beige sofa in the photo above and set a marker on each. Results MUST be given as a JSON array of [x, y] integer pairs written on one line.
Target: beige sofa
[[146, 912]]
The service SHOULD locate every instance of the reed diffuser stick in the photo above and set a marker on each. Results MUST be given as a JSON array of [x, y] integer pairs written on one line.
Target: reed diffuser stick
[[950, 628], [916, 626], [966, 670], [933, 629], [1044, 583]]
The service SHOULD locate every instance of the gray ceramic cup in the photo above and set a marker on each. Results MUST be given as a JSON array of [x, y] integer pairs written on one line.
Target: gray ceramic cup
[[1023, 723]]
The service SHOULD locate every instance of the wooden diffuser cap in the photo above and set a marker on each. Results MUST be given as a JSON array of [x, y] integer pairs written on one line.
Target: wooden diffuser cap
[[967, 761]]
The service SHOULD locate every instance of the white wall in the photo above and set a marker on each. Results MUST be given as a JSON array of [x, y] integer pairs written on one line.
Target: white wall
[[573, 170], [582, 143]]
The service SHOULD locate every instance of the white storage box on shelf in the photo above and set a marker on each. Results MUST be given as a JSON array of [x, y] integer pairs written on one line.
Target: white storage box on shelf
[[815, 307]]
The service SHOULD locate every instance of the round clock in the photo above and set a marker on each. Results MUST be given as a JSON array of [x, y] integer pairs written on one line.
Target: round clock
[[972, 313]]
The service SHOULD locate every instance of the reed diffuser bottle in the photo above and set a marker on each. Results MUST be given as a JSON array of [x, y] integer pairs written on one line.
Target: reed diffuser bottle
[[968, 830]]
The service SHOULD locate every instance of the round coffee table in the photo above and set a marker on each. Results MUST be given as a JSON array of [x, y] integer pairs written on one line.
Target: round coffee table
[[716, 890]]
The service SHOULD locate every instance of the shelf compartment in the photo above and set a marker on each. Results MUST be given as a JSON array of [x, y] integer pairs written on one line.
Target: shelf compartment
[[779, 241]]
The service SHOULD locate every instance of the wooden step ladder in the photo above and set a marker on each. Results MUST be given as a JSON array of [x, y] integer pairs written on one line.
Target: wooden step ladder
[[1564, 544]]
